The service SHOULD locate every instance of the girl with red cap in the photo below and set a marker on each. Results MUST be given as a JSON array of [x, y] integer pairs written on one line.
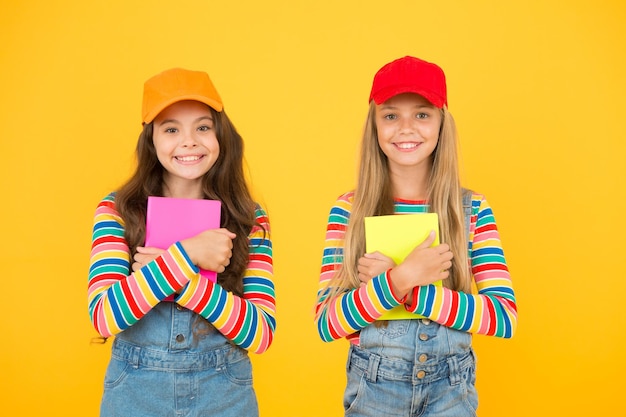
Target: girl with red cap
[[410, 323], [182, 340]]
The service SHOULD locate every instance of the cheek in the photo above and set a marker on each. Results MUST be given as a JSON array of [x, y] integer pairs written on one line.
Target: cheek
[[383, 145], [381, 139], [213, 146], [161, 148], [165, 149], [431, 132], [383, 134]]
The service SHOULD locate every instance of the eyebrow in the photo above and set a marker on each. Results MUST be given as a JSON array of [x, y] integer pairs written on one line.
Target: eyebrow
[[195, 121]]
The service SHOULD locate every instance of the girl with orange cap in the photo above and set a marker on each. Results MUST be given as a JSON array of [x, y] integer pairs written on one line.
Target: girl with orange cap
[[410, 323], [182, 340]]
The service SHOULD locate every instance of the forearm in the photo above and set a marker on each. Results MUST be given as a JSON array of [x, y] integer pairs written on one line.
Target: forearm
[[353, 310], [118, 300], [493, 311], [487, 314], [248, 321]]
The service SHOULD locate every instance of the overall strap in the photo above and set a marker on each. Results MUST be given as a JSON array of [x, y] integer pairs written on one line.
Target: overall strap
[[467, 209]]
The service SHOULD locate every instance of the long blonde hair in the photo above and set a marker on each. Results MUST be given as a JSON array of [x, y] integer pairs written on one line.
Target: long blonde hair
[[373, 197]]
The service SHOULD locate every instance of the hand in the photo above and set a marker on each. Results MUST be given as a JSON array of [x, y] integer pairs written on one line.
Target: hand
[[145, 255], [373, 264], [423, 266], [211, 249]]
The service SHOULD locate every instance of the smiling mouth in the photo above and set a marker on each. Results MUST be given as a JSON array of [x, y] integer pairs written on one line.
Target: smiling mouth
[[188, 158], [407, 145]]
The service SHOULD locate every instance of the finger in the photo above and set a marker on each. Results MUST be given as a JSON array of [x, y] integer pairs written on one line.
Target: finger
[[364, 262], [144, 257], [430, 239], [151, 250], [375, 255], [447, 255], [226, 232], [443, 248], [224, 239], [364, 268]]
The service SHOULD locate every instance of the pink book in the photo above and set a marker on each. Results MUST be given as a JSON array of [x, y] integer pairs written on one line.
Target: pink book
[[169, 220]]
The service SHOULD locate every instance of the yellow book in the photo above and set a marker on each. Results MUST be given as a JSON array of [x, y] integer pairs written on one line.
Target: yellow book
[[396, 236]]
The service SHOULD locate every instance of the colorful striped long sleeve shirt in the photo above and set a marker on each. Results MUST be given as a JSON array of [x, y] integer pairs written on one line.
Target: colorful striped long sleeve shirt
[[492, 311], [118, 297]]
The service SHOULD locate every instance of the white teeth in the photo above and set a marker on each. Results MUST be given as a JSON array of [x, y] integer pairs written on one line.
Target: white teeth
[[406, 145], [187, 158]]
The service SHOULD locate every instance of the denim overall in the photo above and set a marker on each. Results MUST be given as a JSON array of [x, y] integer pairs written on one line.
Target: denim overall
[[412, 368], [159, 367]]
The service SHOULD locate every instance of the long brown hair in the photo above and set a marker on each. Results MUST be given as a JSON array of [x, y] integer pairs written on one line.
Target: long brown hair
[[225, 181], [373, 197]]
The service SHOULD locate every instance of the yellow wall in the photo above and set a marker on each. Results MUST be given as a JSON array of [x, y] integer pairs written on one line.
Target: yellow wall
[[537, 88]]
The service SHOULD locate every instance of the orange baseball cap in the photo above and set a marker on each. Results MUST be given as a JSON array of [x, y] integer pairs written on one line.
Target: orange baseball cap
[[176, 85]]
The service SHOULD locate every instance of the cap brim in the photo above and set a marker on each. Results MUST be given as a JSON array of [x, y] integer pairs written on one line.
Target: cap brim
[[385, 94], [149, 117]]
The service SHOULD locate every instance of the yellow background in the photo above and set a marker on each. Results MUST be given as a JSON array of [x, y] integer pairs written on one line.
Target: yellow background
[[537, 89]]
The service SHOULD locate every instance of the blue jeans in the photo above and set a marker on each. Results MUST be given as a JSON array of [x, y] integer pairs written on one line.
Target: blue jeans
[[411, 368], [161, 367]]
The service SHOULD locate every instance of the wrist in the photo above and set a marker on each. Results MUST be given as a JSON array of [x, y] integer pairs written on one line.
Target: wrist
[[188, 248], [411, 299], [400, 298], [398, 282]]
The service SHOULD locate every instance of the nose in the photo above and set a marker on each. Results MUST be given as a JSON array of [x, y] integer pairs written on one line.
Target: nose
[[406, 124], [189, 140]]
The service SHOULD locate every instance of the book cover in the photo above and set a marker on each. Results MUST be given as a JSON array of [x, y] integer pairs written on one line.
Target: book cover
[[169, 220], [396, 236]]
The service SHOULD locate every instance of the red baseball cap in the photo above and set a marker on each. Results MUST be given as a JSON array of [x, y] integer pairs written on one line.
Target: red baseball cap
[[177, 84], [410, 75]]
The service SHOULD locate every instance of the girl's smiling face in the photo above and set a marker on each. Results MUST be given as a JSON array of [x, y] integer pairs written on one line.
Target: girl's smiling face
[[185, 143], [408, 131]]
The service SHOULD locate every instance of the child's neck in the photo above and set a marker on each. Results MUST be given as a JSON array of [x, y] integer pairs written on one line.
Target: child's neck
[[409, 188], [183, 190]]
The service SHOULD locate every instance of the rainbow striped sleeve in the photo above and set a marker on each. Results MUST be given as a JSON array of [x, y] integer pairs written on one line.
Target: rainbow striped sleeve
[[493, 311], [117, 300], [357, 308], [249, 321]]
